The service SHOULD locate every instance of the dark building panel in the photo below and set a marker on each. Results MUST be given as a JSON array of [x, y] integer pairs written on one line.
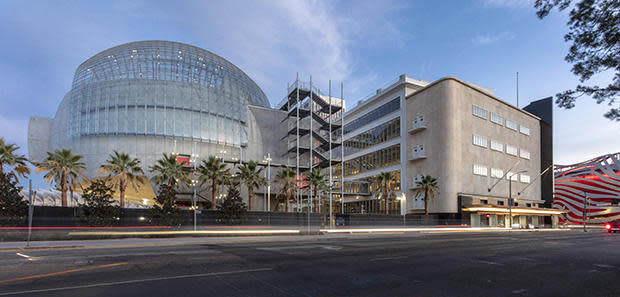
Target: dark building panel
[[543, 109]]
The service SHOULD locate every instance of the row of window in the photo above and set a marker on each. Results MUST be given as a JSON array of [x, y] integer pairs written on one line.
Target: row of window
[[499, 173], [498, 146], [379, 159], [497, 119], [373, 115], [379, 134]]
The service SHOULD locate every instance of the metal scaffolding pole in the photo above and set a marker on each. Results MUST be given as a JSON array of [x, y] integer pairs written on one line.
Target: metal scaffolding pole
[[311, 146], [297, 140], [342, 149], [330, 156]]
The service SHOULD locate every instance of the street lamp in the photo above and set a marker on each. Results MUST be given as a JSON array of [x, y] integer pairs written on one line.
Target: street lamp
[[268, 160], [510, 200], [194, 160], [403, 206]]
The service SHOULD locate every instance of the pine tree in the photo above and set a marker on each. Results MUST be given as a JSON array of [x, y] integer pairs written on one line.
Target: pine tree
[[165, 211], [232, 209], [99, 207], [13, 209]]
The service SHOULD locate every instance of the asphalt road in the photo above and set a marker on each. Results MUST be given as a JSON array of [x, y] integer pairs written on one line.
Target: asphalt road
[[457, 264]]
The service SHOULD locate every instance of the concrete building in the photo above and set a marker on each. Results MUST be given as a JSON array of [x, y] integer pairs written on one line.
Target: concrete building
[[480, 148]]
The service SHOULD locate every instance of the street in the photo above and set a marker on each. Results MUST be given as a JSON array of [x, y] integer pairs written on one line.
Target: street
[[556, 263]]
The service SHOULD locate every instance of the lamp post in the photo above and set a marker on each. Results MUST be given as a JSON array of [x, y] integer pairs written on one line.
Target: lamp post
[[194, 184], [268, 160], [510, 200], [222, 152], [585, 210]]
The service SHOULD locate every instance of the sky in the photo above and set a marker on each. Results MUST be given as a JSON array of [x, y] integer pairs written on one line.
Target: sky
[[363, 44]]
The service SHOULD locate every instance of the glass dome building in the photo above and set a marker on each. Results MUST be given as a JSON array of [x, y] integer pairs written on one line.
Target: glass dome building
[[150, 97]]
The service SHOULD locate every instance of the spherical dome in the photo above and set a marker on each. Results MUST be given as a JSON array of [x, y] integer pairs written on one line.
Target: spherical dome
[[160, 88]]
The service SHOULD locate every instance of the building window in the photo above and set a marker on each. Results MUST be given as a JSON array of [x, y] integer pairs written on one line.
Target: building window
[[497, 173], [511, 125], [500, 202], [480, 112], [524, 130], [511, 150], [525, 178], [495, 118], [528, 204], [512, 176], [524, 154], [480, 170], [373, 115], [382, 133], [614, 201], [484, 201], [497, 146], [480, 141]]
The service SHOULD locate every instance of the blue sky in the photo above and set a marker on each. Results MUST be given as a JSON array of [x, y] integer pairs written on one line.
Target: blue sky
[[363, 44]]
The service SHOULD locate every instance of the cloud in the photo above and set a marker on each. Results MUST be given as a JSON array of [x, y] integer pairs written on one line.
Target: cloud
[[490, 39]]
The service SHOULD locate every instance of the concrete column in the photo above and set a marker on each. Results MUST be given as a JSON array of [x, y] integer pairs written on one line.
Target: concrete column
[[554, 221], [475, 220]]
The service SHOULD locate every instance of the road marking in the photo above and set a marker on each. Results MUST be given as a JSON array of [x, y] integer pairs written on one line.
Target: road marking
[[519, 291], [489, 262], [25, 256], [136, 281], [60, 272], [604, 266], [388, 258], [300, 247]]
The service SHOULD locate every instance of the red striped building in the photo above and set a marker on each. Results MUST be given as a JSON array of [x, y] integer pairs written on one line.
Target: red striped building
[[596, 181]]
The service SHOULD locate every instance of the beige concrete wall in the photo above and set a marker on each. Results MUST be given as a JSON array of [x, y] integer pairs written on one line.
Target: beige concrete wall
[[448, 139]]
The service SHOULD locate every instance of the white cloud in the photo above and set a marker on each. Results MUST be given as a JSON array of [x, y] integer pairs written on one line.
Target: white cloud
[[490, 38]]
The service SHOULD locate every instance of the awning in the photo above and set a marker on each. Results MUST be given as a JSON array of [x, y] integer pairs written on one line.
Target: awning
[[515, 210]]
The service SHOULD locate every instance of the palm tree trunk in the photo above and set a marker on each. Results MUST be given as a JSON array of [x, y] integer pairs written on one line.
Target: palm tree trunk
[[63, 189], [316, 203], [426, 201], [288, 197], [250, 196], [122, 193], [213, 192], [386, 201]]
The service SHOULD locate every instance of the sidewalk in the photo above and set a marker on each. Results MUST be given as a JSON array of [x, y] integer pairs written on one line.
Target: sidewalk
[[231, 236]]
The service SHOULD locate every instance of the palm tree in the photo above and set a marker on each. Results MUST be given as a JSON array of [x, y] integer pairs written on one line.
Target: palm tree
[[386, 182], [250, 175], [288, 184], [63, 168], [168, 170], [9, 158], [316, 180], [428, 184], [214, 171], [126, 171]]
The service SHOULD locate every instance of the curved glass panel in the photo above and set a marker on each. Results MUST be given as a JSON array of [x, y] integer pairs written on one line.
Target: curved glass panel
[[162, 88]]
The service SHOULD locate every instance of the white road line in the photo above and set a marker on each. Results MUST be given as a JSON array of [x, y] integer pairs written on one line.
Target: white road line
[[489, 262], [25, 256], [388, 258], [604, 266], [136, 281]]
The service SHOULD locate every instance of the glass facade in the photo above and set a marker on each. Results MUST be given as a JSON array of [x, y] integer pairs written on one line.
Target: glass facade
[[373, 115], [161, 88], [376, 160], [379, 134]]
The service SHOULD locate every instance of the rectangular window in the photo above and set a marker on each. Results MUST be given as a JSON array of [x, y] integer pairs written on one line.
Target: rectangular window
[[480, 112], [512, 176], [500, 202], [498, 146], [524, 154], [495, 118], [497, 173], [524, 130], [484, 201], [480, 170], [480, 141], [511, 125], [511, 150], [525, 178]]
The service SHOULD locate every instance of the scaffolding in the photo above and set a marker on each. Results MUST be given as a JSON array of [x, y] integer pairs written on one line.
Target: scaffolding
[[314, 134]]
